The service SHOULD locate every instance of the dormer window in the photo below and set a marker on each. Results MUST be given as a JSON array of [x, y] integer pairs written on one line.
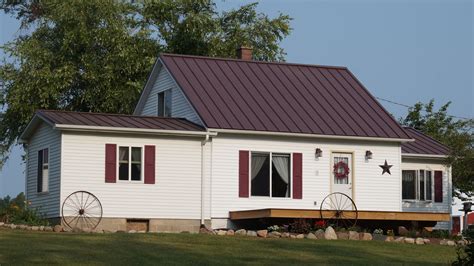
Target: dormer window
[[164, 103]]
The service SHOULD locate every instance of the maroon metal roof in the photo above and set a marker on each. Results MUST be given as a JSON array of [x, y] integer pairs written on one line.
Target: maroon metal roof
[[117, 120], [423, 144], [280, 97]]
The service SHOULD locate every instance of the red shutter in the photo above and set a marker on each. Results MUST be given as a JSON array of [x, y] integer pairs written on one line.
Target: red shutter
[[110, 163], [438, 186], [297, 175], [243, 174], [149, 164]]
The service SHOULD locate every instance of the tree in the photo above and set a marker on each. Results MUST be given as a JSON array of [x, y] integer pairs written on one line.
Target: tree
[[95, 55], [457, 134]]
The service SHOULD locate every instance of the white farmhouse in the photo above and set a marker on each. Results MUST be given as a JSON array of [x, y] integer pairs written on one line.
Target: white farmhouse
[[218, 142]]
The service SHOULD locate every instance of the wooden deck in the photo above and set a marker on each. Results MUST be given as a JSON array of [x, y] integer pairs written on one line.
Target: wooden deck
[[362, 215]]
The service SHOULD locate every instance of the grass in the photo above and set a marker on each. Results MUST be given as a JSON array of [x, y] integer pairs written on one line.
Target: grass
[[27, 247]]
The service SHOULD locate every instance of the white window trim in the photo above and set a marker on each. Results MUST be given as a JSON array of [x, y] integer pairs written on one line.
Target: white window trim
[[290, 197], [44, 192], [417, 185], [130, 181]]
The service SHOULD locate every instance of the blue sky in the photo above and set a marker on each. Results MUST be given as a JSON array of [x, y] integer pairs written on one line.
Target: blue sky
[[405, 51]]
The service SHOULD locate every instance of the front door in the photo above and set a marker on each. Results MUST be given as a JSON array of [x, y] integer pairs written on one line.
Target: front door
[[341, 173]]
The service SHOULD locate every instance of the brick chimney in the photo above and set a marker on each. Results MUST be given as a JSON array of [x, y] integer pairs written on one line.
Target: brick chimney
[[244, 53]]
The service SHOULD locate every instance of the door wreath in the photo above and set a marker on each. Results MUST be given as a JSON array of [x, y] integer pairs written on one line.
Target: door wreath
[[341, 170]]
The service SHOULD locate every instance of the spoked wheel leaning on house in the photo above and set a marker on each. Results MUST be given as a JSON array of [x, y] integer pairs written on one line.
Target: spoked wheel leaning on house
[[81, 210], [339, 210]]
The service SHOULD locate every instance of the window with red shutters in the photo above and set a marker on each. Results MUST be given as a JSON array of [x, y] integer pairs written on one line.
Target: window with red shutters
[[150, 164], [110, 163], [438, 186]]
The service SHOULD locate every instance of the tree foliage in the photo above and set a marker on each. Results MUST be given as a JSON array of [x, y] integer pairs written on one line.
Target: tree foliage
[[95, 55], [457, 134]]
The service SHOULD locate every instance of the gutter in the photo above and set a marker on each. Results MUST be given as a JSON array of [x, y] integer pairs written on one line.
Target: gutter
[[432, 156], [286, 134], [203, 172], [132, 130]]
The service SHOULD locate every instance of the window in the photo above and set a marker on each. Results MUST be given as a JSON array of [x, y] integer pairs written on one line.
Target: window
[[164, 103], [43, 171], [130, 163], [270, 175], [417, 185]]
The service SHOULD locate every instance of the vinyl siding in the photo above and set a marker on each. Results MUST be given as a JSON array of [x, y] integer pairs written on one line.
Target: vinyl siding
[[371, 190], [180, 107], [48, 203], [175, 195]]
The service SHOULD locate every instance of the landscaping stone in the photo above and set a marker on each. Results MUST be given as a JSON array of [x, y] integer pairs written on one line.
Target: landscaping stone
[[300, 236], [403, 231], [319, 234], [35, 228], [262, 233], [204, 230], [311, 236], [230, 232], [241, 232], [1, 223], [22, 227], [409, 240], [342, 235], [29, 228], [365, 236], [389, 239], [461, 243], [12, 226], [330, 234], [419, 241], [221, 232], [451, 243], [292, 236], [130, 232], [443, 242], [285, 235], [41, 228], [426, 240], [353, 235], [57, 228], [274, 234], [48, 229], [399, 239], [379, 237], [251, 233]]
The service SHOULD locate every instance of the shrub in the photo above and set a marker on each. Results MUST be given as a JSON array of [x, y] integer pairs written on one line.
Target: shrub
[[378, 231], [320, 224], [300, 226], [466, 254], [18, 211], [390, 232], [273, 228]]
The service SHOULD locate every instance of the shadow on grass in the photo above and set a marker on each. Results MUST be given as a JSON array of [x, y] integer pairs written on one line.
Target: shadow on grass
[[20, 247]]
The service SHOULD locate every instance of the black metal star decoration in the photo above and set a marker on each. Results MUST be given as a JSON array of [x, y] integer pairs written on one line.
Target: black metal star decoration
[[386, 168]]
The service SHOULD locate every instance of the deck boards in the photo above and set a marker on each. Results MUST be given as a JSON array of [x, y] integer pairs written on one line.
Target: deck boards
[[362, 215]]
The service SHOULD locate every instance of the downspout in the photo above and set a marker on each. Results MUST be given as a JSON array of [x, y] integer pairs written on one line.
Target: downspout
[[203, 172]]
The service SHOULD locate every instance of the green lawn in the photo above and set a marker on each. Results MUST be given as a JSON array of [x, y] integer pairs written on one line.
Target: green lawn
[[26, 247]]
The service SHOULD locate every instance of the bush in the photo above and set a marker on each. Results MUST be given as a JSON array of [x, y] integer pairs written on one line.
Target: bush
[[320, 224], [300, 226], [17, 211], [466, 253]]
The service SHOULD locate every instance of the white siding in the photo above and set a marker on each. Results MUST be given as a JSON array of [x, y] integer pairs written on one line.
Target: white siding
[[180, 107], [175, 195], [44, 137], [414, 164], [372, 191]]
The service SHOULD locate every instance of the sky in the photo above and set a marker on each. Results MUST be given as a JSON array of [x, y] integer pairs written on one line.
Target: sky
[[404, 51]]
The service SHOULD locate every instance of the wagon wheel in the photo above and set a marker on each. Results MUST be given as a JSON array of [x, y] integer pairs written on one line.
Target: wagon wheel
[[339, 209], [81, 210]]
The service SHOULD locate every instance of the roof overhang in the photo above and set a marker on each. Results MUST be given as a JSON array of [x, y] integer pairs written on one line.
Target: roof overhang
[[305, 135], [38, 119]]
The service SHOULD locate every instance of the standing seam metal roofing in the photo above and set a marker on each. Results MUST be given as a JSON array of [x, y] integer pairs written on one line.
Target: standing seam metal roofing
[[423, 144], [280, 97], [116, 120]]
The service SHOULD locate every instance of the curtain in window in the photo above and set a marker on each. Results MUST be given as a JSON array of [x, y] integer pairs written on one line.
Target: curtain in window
[[282, 165], [408, 184], [344, 180], [257, 163]]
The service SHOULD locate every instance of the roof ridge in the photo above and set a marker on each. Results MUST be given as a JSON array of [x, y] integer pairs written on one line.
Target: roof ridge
[[252, 61], [111, 114]]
